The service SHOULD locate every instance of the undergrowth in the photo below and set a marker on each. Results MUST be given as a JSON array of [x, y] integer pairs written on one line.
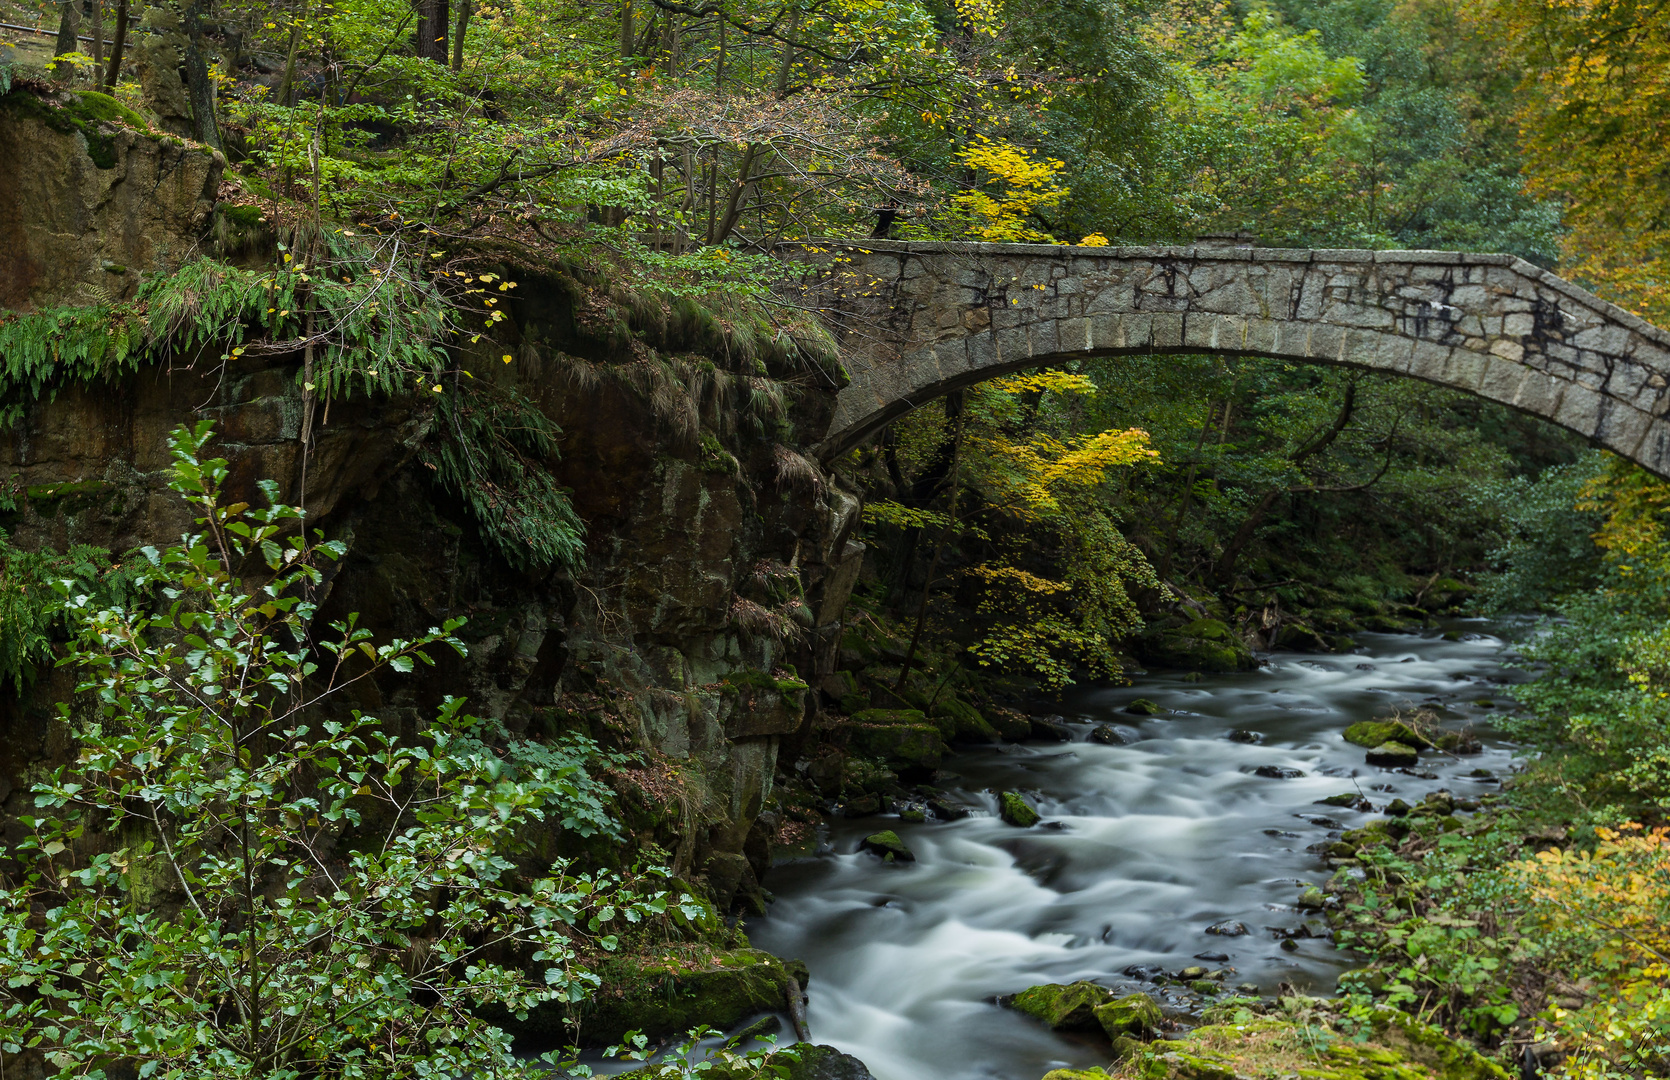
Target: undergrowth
[[33, 586]]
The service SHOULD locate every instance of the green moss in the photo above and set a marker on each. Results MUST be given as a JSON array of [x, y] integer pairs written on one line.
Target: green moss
[[1209, 630], [1076, 1074], [83, 114], [1143, 707], [1064, 1007], [734, 682], [1016, 812], [901, 737], [663, 996], [1133, 1014], [1391, 1046], [888, 846], [1202, 645], [1372, 733], [964, 721]]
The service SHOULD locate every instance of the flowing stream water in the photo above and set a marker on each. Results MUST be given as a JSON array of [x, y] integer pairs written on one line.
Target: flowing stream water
[[1142, 847]]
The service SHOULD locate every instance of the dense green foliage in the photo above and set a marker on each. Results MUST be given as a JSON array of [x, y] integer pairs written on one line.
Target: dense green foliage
[[236, 879], [394, 159]]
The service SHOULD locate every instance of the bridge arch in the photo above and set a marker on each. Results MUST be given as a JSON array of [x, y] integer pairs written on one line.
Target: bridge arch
[[916, 321]]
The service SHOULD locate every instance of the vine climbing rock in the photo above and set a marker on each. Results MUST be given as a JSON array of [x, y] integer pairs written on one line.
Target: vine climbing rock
[[93, 200]]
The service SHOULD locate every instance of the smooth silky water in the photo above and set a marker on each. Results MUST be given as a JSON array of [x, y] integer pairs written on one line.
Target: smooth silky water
[[1142, 847]]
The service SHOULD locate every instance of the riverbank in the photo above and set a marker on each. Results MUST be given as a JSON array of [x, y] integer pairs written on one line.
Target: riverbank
[[1145, 842]]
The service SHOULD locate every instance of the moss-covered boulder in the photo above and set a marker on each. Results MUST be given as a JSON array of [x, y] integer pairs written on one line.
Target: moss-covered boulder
[[1394, 755], [1014, 810], [803, 1061], [670, 993], [1301, 638], [1133, 1014], [1394, 1047], [1202, 645], [1096, 1073], [1371, 733], [958, 721], [821, 1063], [1143, 707], [1064, 1007], [903, 738], [756, 704], [888, 846]]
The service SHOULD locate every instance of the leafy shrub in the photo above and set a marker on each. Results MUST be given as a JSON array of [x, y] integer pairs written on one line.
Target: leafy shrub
[[235, 879]]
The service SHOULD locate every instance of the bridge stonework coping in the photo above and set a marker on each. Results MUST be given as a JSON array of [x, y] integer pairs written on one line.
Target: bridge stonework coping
[[915, 321]]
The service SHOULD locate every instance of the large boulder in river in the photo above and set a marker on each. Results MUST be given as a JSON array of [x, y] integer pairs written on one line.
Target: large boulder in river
[[1064, 1007], [1133, 1014], [821, 1063], [803, 1061], [664, 995], [903, 738], [1014, 810], [1371, 733], [1202, 645], [1394, 755], [888, 846]]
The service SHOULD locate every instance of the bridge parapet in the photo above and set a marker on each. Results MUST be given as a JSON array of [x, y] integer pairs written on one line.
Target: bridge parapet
[[915, 321]]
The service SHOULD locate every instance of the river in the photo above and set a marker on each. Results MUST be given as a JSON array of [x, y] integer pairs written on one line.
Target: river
[[1142, 847]]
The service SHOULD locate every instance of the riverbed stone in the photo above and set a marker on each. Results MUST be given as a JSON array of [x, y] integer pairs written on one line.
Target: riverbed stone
[[1371, 733], [1064, 1007], [1133, 1014], [1394, 755], [821, 1063], [1228, 928], [1143, 707], [663, 996], [888, 846], [1014, 810], [903, 738]]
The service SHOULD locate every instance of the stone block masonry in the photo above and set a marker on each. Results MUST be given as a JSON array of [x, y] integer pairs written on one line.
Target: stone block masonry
[[916, 321]]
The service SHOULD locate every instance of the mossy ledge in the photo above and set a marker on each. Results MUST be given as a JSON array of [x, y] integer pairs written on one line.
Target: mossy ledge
[[85, 113]]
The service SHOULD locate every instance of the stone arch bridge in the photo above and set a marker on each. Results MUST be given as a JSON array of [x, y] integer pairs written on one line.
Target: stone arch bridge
[[915, 321]]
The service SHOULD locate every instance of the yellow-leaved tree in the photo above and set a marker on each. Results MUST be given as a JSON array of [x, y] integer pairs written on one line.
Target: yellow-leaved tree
[[1014, 187], [1606, 912]]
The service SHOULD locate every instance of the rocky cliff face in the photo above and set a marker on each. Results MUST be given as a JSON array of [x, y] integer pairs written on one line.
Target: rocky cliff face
[[718, 557], [89, 204]]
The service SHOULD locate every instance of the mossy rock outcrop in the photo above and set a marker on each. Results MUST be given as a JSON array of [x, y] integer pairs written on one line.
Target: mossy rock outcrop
[[1396, 1047], [668, 995], [888, 846], [1015, 810], [1202, 645], [1063, 1006], [1372, 733], [803, 1061], [1133, 1014], [958, 721], [1394, 755], [95, 198], [903, 738]]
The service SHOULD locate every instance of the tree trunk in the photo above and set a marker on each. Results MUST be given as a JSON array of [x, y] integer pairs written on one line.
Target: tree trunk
[[98, 39], [628, 37], [1224, 571], [432, 30], [459, 27], [69, 29], [114, 72], [199, 86]]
